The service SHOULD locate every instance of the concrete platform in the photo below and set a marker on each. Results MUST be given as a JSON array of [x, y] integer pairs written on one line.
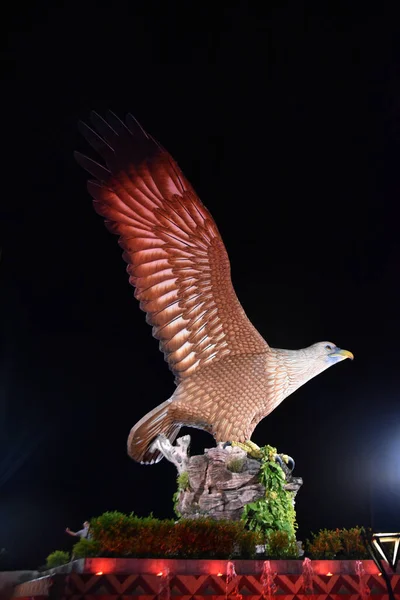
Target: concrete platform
[[168, 579]]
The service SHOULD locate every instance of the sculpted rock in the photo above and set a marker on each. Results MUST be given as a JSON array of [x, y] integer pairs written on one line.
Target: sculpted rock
[[220, 482]]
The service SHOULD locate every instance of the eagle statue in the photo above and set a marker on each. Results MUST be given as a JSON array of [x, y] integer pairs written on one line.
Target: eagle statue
[[227, 376]]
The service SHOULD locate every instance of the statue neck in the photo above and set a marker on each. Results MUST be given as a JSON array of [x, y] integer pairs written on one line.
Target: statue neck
[[297, 367]]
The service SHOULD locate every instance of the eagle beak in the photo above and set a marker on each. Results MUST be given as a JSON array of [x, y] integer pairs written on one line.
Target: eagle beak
[[342, 353]]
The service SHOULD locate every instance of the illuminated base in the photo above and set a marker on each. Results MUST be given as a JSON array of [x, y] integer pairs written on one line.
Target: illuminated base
[[152, 579]]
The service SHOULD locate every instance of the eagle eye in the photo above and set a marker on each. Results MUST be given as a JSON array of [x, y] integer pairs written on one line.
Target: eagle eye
[[328, 347]]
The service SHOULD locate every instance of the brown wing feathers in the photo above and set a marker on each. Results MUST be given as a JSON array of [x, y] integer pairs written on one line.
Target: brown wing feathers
[[176, 259], [165, 239]]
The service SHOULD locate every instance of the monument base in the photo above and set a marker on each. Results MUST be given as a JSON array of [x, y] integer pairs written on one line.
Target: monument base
[[153, 579], [219, 483]]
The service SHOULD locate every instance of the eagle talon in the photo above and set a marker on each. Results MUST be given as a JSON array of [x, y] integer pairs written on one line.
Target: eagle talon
[[250, 447], [254, 451], [290, 463]]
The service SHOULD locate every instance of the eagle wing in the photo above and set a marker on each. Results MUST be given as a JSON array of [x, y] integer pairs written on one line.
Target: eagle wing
[[176, 258]]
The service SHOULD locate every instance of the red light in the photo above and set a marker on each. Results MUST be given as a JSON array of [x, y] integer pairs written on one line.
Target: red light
[[160, 574], [102, 566], [219, 574], [329, 574]]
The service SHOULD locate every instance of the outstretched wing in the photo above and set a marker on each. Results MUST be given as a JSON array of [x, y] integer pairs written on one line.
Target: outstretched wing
[[176, 258]]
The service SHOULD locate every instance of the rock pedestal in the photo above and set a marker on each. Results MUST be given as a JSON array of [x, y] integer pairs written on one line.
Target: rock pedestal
[[220, 482]]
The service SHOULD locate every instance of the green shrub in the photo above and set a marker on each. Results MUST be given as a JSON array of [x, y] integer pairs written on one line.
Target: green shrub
[[153, 538], [276, 511], [57, 558], [281, 545], [247, 542], [353, 546], [183, 481], [235, 465], [337, 543], [128, 535], [183, 484], [86, 548], [206, 538], [117, 534], [325, 544]]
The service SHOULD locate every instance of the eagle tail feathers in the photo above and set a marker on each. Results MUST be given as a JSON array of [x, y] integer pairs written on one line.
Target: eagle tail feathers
[[143, 434]]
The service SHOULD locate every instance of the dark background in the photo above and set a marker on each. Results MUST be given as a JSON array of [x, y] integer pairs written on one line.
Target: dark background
[[285, 117]]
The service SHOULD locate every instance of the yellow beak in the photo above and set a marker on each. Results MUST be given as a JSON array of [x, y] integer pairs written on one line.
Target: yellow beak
[[345, 353]]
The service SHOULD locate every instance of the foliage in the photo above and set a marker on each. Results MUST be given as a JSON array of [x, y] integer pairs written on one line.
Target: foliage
[[353, 546], [119, 535], [235, 465], [206, 538], [86, 548], [128, 535], [337, 543], [281, 545], [325, 544], [183, 481], [57, 558], [247, 542], [123, 535], [276, 511], [183, 484]]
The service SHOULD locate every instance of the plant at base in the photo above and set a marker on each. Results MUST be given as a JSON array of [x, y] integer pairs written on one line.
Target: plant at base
[[207, 538], [129, 535], [183, 484], [280, 544], [353, 544], [235, 465], [120, 535], [325, 544], [86, 549], [337, 543], [57, 558], [274, 512]]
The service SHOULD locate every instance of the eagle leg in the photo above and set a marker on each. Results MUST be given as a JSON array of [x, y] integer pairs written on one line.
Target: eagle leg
[[286, 462], [250, 447]]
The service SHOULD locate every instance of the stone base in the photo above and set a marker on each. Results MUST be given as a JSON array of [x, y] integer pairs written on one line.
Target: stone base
[[221, 482]]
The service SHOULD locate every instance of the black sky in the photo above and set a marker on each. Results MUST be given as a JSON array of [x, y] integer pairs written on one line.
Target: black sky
[[286, 119]]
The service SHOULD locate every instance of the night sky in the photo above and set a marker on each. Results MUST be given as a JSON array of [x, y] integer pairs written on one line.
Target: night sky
[[286, 119]]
